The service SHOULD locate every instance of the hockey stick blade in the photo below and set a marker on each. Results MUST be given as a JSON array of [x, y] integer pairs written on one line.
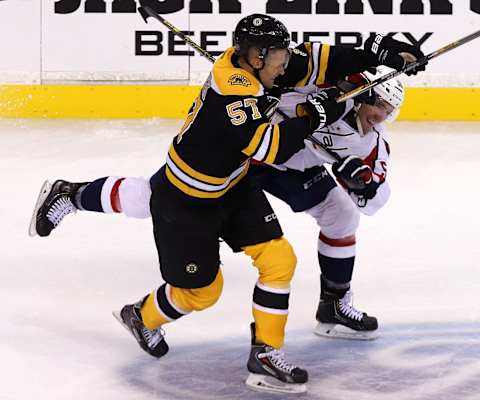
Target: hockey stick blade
[[143, 14], [408, 67]]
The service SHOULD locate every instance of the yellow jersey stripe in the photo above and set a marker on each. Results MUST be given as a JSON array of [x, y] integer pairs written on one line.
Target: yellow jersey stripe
[[197, 105], [255, 142], [207, 187], [190, 171], [200, 193], [303, 82], [274, 144], [325, 53]]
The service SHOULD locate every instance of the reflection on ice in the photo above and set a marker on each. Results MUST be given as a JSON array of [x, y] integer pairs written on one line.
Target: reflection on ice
[[421, 361]]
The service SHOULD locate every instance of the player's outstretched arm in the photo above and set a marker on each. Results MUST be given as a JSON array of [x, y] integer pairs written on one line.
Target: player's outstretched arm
[[317, 63]]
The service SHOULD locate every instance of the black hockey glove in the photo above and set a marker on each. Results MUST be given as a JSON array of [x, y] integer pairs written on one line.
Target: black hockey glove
[[369, 192], [353, 173], [356, 176], [322, 109], [385, 50]]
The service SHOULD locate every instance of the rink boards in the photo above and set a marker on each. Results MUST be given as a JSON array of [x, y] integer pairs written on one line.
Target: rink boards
[[172, 101], [98, 59]]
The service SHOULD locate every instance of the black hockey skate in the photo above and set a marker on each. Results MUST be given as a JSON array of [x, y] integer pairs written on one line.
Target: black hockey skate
[[270, 372], [337, 318], [152, 341], [53, 204]]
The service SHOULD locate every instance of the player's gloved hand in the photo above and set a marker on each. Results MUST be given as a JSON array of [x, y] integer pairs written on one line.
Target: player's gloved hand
[[370, 190], [385, 50], [321, 108], [352, 82], [353, 173]]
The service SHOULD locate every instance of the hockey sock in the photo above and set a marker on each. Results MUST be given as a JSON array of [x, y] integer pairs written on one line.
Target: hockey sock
[[168, 303], [275, 261], [270, 311], [336, 258], [159, 308], [100, 195]]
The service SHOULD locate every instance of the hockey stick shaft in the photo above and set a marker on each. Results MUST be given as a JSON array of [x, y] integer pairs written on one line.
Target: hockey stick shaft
[[334, 157], [408, 67], [146, 12]]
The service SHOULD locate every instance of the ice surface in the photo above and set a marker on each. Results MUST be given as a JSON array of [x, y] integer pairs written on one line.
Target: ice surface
[[417, 271]]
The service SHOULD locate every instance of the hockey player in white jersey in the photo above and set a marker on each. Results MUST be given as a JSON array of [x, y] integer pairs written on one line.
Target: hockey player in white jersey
[[303, 182], [359, 139]]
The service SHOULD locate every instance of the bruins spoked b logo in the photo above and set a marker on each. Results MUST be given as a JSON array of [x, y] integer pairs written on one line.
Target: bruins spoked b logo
[[257, 22], [239, 79], [191, 268]]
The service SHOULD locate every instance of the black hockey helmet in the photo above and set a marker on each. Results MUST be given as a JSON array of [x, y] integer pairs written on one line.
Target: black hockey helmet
[[262, 32]]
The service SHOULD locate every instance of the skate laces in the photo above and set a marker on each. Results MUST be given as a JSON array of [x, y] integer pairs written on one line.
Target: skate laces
[[346, 307], [153, 337], [277, 357], [59, 209]]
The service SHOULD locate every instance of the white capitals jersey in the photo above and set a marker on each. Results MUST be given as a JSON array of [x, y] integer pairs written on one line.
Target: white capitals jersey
[[344, 140]]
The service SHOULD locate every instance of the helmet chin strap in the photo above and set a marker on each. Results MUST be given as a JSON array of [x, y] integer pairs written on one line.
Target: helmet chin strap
[[360, 130], [256, 71]]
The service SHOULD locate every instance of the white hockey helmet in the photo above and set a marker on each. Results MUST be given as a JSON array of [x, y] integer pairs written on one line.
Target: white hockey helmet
[[391, 91]]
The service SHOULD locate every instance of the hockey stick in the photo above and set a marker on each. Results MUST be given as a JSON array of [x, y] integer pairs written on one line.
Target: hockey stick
[[334, 157], [408, 67], [146, 12]]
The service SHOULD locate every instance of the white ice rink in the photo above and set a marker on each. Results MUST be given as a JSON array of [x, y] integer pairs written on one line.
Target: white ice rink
[[417, 271]]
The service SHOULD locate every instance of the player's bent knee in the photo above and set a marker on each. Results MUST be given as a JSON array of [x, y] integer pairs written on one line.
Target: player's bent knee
[[337, 215], [347, 221], [134, 194], [206, 296], [275, 260]]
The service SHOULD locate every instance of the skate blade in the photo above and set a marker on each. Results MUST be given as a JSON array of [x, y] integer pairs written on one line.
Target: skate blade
[[118, 317], [266, 383], [44, 191], [337, 331]]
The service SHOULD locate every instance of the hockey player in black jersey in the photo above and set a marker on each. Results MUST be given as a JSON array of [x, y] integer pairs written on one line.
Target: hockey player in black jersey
[[202, 193]]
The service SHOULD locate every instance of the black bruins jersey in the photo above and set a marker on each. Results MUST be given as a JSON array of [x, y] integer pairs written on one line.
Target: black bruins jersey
[[228, 124], [314, 63]]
